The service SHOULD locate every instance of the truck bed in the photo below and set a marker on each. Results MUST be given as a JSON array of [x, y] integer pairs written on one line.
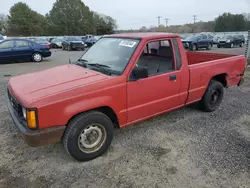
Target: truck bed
[[201, 57], [205, 66]]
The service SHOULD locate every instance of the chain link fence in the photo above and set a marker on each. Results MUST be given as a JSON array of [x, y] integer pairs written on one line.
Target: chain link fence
[[247, 52]]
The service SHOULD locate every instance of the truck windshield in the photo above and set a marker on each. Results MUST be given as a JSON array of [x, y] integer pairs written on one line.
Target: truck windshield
[[113, 53]]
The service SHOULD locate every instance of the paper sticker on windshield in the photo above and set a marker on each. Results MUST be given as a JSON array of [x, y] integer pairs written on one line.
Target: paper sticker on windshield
[[127, 43]]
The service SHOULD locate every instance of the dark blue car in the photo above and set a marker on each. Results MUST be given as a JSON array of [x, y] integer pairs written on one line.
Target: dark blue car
[[196, 42], [22, 49]]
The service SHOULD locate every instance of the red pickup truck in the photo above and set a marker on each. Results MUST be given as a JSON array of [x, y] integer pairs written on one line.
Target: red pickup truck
[[121, 80]]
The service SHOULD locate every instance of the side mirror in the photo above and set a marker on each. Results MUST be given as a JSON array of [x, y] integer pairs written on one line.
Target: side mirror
[[139, 73]]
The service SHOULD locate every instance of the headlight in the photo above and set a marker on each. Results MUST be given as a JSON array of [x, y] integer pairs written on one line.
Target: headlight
[[24, 113], [228, 41], [82, 42]]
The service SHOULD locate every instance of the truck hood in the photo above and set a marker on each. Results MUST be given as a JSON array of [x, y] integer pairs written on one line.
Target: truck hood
[[34, 86]]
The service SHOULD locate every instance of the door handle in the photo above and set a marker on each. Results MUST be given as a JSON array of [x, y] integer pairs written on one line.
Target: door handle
[[172, 78]]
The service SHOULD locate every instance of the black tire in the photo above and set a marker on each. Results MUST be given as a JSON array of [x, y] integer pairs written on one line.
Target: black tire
[[63, 48], [209, 47], [69, 48], [75, 129], [218, 46], [37, 57], [241, 44], [213, 96], [194, 47], [231, 45]]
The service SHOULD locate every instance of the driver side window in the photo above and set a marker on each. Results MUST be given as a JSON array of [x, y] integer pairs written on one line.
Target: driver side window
[[157, 57]]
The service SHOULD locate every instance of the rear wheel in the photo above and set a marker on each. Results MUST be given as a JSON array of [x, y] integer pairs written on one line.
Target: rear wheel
[[213, 96], [231, 45], [69, 48], [241, 44], [63, 48], [218, 46], [37, 57], [88, 135]]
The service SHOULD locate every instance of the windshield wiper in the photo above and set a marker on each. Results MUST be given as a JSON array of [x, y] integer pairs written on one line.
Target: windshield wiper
[[99, 65], [102, 67], [82, 62]]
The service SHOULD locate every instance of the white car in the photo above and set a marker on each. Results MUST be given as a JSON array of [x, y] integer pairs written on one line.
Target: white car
[[2, 38]]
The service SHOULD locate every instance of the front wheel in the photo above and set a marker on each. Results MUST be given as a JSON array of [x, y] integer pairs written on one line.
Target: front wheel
[[213, 96], [88, 135], [209, 47], [194, 47], [241, 44]]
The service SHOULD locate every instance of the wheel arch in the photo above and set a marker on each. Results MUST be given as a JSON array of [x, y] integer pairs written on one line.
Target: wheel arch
[[108, 111], [222, 78]]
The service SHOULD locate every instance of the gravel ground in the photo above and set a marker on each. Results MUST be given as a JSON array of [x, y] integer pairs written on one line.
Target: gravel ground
[[182, 149]]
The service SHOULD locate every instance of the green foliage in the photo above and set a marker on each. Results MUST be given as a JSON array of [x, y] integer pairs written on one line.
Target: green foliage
[[70, 17], [231, 22], [67, 17], [104, 24], [24, 21], [3, 23]]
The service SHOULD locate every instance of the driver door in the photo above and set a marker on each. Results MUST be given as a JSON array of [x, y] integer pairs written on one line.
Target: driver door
[[160, 91]]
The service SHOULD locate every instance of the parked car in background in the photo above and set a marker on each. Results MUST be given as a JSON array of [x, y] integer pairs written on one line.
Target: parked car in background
[[215, 39], [49, 39], [231, 41], [23, 49], [42, 41], [73, 43], [56, 43], [196, 42], [84, 38], [1, 38], [90, 41]]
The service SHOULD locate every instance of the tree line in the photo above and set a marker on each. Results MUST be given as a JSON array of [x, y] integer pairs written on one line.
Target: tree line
[[223, 23], [67, 17]]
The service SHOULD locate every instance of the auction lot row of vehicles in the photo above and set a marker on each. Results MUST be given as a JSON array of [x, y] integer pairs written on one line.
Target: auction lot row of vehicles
[[121, 80], [36, 48], [198, 41]]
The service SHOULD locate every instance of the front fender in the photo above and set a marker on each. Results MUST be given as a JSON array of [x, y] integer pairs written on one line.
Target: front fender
[[85, 105]]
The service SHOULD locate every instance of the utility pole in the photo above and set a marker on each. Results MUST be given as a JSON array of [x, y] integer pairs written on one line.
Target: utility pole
[[166, 19], [195, 17], [159, 20]]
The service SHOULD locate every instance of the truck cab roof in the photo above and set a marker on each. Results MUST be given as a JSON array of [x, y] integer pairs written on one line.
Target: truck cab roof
[[145, 35]]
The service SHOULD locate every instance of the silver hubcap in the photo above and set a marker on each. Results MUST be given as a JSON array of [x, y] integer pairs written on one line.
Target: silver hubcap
[[37, 57], [92, 138]]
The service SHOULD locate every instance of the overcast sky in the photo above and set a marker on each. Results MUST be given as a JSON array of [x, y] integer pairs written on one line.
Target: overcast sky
[[137, 13]]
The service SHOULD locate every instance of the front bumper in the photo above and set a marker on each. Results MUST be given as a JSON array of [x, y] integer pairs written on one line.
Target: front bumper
[[77, 45], [36, 138], [224, 44]]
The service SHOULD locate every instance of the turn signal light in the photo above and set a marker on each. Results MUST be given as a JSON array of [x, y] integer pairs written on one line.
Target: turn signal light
[[31, 119]]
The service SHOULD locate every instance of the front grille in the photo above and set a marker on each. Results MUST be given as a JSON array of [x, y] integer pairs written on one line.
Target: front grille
[[15, 104]]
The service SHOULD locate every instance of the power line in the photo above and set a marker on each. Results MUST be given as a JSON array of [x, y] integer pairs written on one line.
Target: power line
[[166, 19], [159, 20]]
